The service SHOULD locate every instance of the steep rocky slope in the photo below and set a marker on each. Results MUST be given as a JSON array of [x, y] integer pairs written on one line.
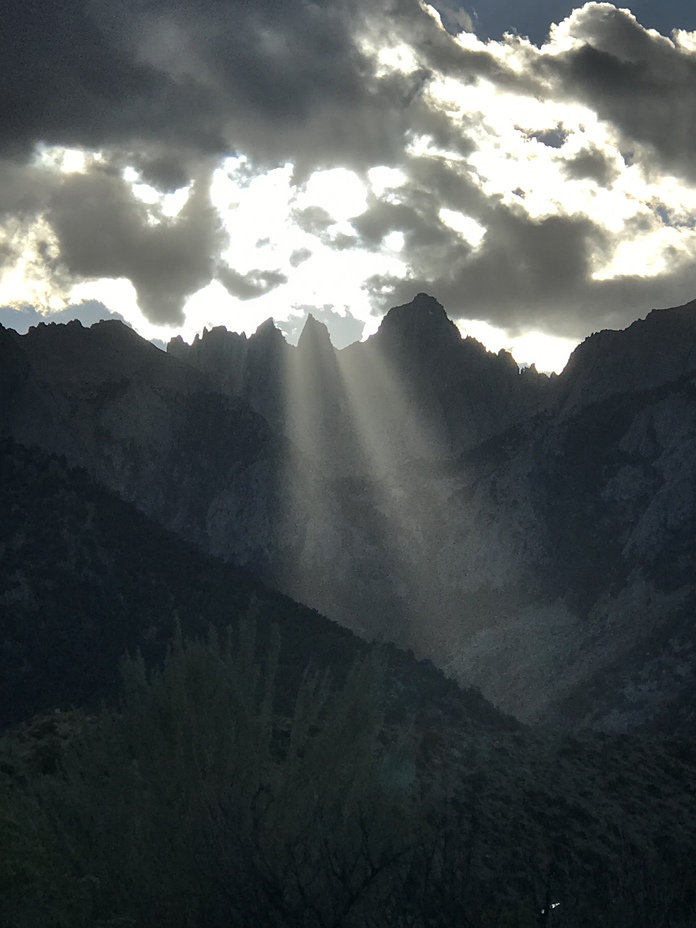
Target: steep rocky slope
[[594, 622], [651, 352], [153, 430], [532, 535]]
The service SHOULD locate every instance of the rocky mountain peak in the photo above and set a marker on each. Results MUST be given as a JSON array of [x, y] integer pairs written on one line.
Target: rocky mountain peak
[[219, 333], [267, 332], [423, 321], [535, 536], [420, 340], [177, 347], [314, 336]]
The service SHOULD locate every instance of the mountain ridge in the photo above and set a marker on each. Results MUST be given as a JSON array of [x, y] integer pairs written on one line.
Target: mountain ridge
[[652, 351], [532, 535], [506, 561]]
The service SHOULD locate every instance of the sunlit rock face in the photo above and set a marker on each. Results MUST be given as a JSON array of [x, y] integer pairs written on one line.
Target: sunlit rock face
[[533, 536]]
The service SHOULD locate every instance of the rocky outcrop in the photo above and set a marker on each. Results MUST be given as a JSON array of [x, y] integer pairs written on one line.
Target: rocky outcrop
[[252, 369], [533, 535], [651, 352], [415, 390], [156, 431]]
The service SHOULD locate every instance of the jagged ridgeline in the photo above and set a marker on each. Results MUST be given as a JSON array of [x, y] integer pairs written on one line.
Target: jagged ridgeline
[[223, 785], [532, 535]]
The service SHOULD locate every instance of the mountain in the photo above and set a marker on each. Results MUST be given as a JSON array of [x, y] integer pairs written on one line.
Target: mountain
[[86, 578], [470, 812], [531, 535], [651, 352], [415, 389]]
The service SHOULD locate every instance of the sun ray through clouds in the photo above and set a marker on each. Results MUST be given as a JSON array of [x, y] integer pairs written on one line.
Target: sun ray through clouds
[[401, 436], [370, 440], [311, 415]]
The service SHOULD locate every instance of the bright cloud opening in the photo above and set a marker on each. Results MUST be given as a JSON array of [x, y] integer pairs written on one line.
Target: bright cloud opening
[[340, 192], [549, 353], [470, 230]]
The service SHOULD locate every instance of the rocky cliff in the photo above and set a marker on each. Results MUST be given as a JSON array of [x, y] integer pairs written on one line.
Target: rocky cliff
[[533, 535]]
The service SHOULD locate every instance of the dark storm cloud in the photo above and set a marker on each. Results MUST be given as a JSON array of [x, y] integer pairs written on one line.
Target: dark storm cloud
[[162, 86], [175, 80], [430, 186], [637, 81], [313, 219], [436, 254], [24, 190], [249, 286], [103, 231], [525, 272], [521, 275], [536, 275], [61, 79], [422, 229], [168, 87], [163, 167], [316, 221], [591, 164]]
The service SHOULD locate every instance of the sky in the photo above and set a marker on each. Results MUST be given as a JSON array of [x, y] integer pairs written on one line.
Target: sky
[[216, 162]]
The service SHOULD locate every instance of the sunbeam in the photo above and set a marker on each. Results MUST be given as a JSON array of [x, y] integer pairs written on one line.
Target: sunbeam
[[369, 443], [400, 435], [312, 421]]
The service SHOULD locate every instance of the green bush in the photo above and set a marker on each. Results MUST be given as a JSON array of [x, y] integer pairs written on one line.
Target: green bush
[[196, 804]]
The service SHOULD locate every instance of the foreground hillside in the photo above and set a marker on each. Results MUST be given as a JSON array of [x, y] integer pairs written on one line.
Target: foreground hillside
[[534, 536], [233, 783], [202, 803]]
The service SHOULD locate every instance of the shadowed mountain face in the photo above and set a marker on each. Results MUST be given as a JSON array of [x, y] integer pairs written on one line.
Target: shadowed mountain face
[[85, 578], [533, 535], [415, 390]]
